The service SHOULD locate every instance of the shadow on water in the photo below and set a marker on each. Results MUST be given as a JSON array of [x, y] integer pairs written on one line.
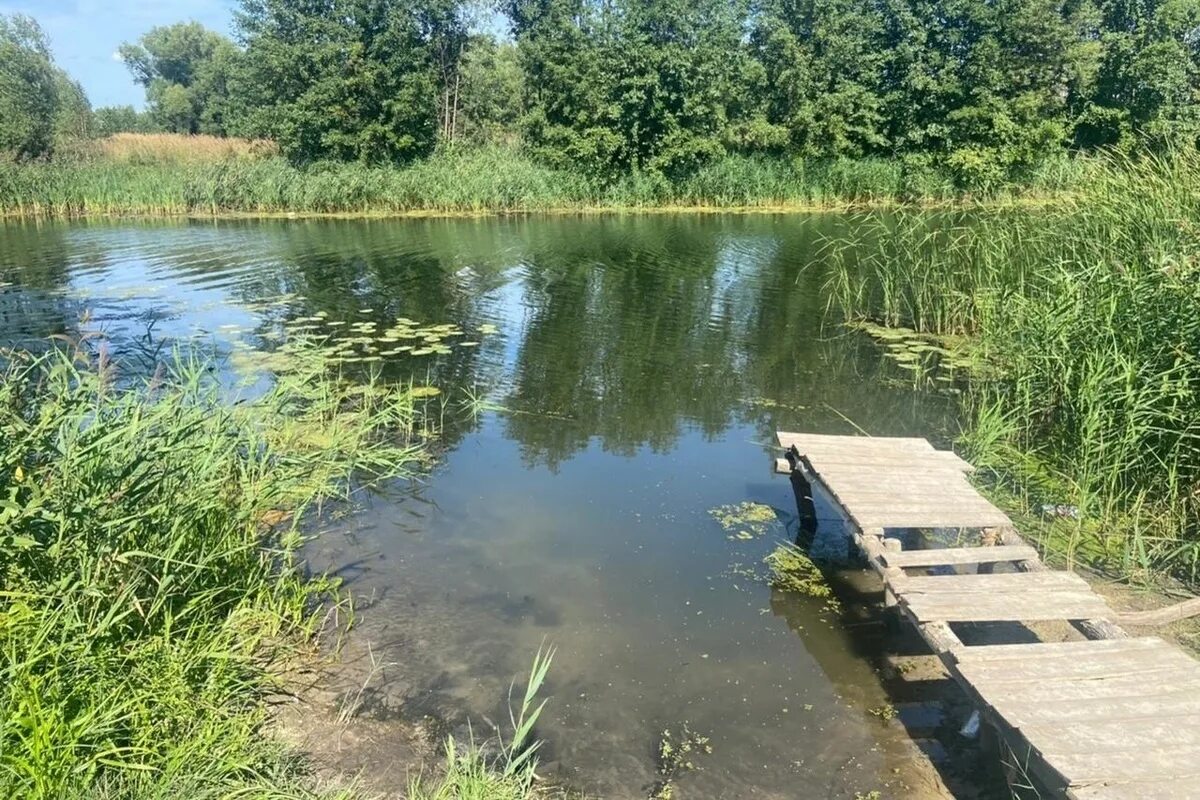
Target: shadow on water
[[629, 376]]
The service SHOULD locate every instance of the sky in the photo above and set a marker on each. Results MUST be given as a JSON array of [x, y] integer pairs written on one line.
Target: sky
[[85, 35]]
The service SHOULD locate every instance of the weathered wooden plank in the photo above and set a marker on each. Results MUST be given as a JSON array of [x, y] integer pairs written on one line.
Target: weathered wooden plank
[[1166, 703], [1111, 736], [835, 442], [1170, 789], [937, 493], [1148, 683], [1162, 616], [901, 505], [923, 519], [908, 463], [954, 556], [1080, 648], [873, 481], [1158, 762], [988, 676], [873, 473], [1020, 582], [1006, 607]]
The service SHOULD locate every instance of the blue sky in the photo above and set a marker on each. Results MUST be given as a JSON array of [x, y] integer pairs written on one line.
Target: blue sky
[[85, 35]]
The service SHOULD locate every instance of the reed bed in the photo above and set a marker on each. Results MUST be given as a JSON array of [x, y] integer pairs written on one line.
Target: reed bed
[[172, 175], [150, 583], [1084, 320]]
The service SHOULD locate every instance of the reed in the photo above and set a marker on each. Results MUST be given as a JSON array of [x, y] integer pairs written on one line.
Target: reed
[[1086, 317], [166, 175], [148, 566]]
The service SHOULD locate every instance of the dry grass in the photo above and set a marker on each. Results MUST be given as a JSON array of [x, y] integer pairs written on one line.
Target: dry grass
[[159, 148]]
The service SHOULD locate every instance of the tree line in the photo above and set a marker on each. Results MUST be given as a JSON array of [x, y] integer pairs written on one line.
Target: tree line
[[987, 87]]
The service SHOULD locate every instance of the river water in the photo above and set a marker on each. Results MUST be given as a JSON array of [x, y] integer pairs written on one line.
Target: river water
[[629, 377]]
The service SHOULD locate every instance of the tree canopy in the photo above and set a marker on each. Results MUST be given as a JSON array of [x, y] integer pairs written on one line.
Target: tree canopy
[[986, 87], [40, 104], [185, 69]]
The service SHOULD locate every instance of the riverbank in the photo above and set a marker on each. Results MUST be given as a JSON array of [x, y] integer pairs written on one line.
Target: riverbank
[[152, 586], [1072, 335], [478, 181]]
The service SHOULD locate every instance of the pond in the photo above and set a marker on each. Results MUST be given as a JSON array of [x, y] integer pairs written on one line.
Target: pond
[[629, 375]]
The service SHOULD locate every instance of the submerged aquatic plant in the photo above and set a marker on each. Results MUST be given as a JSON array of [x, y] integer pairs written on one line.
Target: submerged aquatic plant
[[677, 751], [792, 570]]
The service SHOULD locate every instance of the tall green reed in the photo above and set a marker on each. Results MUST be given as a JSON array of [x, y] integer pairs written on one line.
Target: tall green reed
[[1087, 315], [452, 180], [148, 565]]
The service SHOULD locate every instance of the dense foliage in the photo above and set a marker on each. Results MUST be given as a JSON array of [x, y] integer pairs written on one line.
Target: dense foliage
[[148, 566], [661, 88], [39, 103], [185, 69]]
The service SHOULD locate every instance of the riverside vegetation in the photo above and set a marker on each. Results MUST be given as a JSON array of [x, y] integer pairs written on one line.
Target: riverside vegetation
[[157, 174], [1082, 321], [150, 579], [654, 97]]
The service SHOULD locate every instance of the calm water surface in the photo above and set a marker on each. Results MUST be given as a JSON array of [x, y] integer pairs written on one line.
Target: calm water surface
[[638, 368]]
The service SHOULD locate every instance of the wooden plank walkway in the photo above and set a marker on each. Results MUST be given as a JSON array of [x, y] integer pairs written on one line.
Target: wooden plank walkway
[[1106, 717]]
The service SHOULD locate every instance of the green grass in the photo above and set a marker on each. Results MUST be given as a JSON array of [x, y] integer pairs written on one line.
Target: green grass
[[468, 180], [469, 774], [1085, 320], [149, 576]]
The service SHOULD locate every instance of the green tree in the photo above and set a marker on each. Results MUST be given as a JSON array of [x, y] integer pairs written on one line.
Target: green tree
[[491, 94], [824, 65], [340, 79], [108, 120], [632, 84], [73, 117], [1147, 81], [29, 82], [185, 69]]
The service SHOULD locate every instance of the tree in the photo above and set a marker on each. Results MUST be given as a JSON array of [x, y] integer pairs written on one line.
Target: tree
[[824, 64], [339, 79], [73, 117], [491, 92], [631, 84], [1147, 81], [28, 88], [185, 69], [108, 120]]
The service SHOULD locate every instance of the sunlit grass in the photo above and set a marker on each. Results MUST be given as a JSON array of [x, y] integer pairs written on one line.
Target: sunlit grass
[[164, 174], [149, 572]]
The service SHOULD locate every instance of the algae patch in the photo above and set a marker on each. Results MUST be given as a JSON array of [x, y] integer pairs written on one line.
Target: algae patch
[[792, 570], [744, 520]]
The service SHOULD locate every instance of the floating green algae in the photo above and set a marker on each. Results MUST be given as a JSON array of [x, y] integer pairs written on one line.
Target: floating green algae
[[744, 520]]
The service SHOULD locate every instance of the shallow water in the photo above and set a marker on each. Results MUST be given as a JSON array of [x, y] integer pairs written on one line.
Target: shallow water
[[637, 369]]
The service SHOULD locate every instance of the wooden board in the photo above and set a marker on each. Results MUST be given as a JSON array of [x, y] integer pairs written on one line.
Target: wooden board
[[824, 441], [1170, 789], [1082, 648], [931, 519], [973, 606], [1157, 762], [955, 556], [1161, 702], [990, 585]]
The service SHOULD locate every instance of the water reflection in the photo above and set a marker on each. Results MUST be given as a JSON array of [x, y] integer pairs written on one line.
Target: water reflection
[[641, 365]]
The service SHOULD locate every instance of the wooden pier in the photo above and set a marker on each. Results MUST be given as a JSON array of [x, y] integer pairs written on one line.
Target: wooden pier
[[1101, 717]]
